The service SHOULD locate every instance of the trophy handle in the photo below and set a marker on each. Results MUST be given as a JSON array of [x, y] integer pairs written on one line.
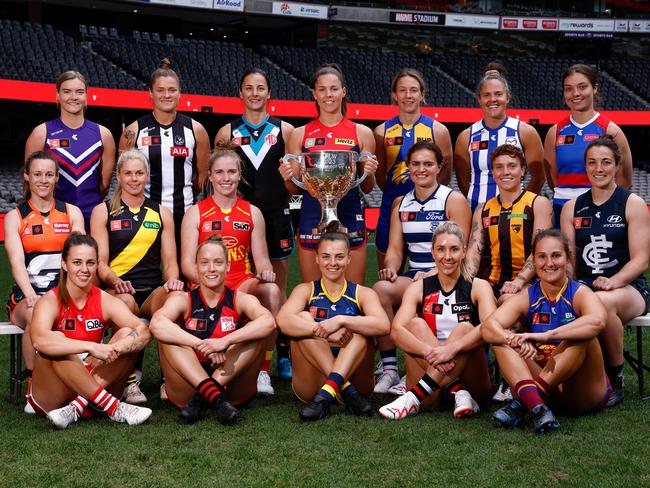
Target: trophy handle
[[295, 180], [365, 154]]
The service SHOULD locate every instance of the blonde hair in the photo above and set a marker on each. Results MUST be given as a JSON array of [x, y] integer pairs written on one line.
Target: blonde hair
[[213, 239], [452, 228], [115, 201]]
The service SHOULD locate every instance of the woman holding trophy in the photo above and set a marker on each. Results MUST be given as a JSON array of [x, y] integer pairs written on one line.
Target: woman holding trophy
[[331, 132]]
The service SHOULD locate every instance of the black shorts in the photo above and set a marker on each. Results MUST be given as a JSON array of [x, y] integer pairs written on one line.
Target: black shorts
[[141, 296], [641, 285], [279, 233]]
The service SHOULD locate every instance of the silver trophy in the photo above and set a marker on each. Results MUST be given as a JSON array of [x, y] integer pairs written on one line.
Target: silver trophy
[[328, 176]]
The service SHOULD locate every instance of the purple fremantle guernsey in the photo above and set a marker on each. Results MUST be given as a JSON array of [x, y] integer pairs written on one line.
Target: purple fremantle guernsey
[[79, 153]]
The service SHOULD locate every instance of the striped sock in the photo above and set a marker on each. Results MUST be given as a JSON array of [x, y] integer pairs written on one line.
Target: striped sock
[[210, 389], [79, 404], [528, 393], [132, 379], [542, 386], [266, 364], [425, 387], [389, 359], [332, 386], [104, 401]]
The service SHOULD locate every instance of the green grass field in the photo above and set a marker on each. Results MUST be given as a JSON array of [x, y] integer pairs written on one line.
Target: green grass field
[[272, 447]]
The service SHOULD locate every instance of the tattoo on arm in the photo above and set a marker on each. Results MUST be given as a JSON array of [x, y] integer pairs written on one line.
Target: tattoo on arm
[[129, 137]]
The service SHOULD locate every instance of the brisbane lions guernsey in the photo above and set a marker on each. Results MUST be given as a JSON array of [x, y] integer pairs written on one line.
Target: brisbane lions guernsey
[[235, 226], [207, 322], [79, 153], [571, 141], [170, 152], [443, 311], [82, 324]]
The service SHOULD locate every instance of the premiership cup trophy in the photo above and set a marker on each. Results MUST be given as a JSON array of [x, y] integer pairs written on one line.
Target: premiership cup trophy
[[328, 176]]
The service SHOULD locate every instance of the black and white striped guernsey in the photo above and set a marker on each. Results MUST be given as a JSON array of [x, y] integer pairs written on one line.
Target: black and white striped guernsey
[[170, 150]]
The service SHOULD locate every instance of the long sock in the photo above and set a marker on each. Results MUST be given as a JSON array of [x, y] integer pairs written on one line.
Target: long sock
[[132, 379], [452, 388], [79, 404], [615, 375], [332, 386], [528, 393], [389, 359], [104, 401], [282, 346], [139, 361], [266, 364], [425, 387], [210, 389], [543, 387]]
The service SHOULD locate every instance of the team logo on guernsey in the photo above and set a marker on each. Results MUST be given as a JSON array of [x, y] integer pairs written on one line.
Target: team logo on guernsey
[[37, 230], [284, 243], [121, 225], [270, 139], [315, 141], [227, 324], [179, 151], [150, 141], [394, 141], [70, 324], [564, 140], [541, 318], [409, 216], [582, 223], [241, 226], [511, 140], [241, 141], [179, 140], [344, 142], [212, 225], [318, 312], [93, 324], [196, 324], [479, 145], [516, 228], [59, 143]]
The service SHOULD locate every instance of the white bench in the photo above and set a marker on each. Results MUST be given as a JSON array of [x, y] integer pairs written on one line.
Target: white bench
[[637, 363], [15, 360]]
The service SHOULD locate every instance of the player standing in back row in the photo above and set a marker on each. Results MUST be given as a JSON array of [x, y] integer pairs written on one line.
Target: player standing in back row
[[176, 146]]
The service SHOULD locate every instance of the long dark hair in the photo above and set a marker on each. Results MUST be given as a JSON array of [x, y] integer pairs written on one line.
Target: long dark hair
[[27, 167], [75, 239], [255, 71], [331, 69], [606, 140], [588, 72]]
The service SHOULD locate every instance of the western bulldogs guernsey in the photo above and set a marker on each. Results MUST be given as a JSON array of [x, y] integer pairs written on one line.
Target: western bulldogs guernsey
[[261, 148], [322, 306], [342, 137], [602, 244], [207, 322], [236, 227], [42, 235], [482, 141], [443, 311], [398, 139], [85, 324], [79, 153], [547, 313], [419, 220], [571, 141], [134, 242], [170, 152]]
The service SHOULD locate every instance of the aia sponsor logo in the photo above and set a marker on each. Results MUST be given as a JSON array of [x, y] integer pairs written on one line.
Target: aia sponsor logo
[[180, 151]]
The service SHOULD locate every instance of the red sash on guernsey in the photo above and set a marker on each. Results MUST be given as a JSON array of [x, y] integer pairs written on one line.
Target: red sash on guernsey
[[85, 324], [235, 226]]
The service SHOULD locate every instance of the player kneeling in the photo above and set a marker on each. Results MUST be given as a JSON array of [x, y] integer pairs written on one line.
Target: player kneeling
[[212, 358], [436, 327], [72, 367], [330, 322], [557, 358]]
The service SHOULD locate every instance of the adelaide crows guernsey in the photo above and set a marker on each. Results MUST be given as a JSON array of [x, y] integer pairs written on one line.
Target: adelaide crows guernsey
[[79, 153], [482, 141]]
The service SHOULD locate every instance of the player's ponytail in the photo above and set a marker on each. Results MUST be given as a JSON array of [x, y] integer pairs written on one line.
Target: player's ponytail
[[334, 232], [116, 199], [164, 69], [216, 239], [73, 240]]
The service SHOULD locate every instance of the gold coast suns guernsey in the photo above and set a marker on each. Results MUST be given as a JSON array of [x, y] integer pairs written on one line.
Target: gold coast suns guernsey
[[507, 236]]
